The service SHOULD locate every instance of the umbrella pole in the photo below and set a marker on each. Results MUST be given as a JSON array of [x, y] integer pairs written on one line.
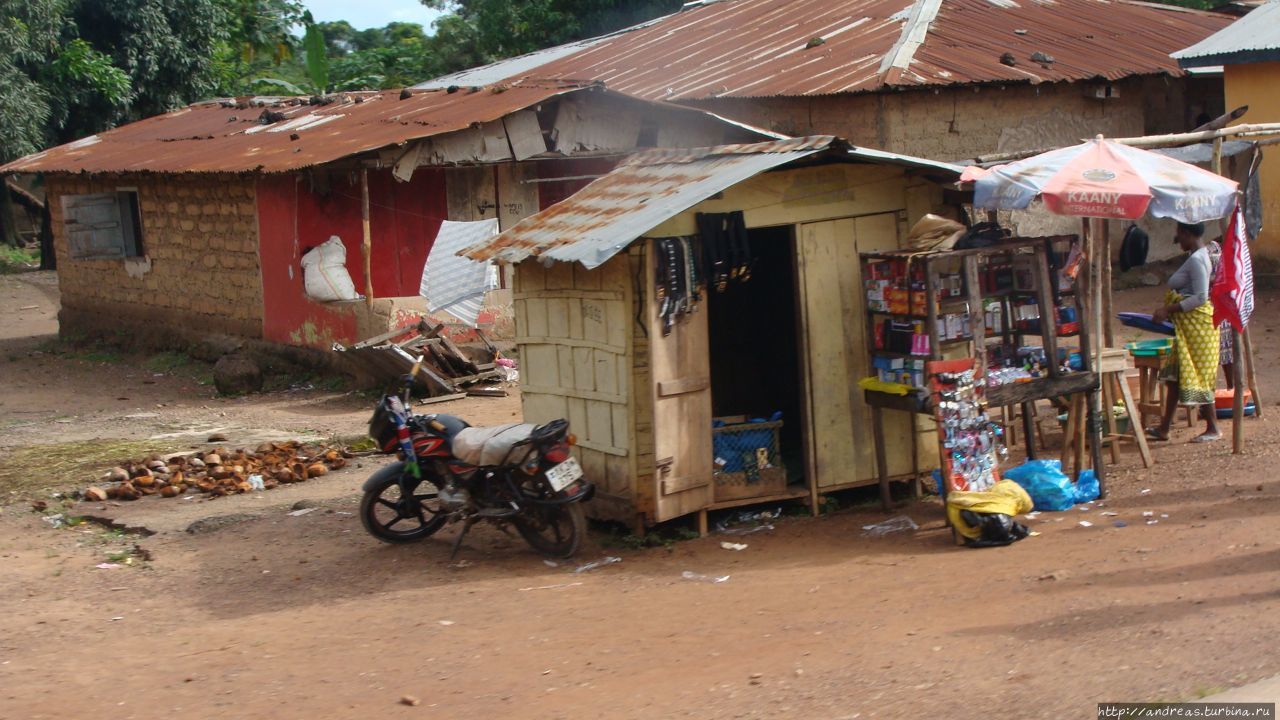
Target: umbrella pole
[[1090, 351], [366, 246]]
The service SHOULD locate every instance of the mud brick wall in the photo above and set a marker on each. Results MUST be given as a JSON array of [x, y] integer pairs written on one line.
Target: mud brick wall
[[200, 234], [964, 122]]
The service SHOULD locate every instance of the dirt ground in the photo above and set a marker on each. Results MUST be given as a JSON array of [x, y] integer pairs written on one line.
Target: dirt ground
[[279, 616]]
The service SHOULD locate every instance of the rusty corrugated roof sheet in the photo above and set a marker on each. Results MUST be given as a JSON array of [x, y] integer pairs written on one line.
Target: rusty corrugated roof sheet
[[762, 48], [230, 136], [606, 216]]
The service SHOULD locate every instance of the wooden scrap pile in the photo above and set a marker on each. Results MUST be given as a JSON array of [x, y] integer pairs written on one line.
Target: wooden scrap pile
[[219, 471], [446, 372]]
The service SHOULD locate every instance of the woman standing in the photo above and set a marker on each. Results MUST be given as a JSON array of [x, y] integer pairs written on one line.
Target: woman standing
[[1191, 372]]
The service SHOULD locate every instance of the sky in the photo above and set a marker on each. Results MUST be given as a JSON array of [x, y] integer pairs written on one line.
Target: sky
[[364, 14]]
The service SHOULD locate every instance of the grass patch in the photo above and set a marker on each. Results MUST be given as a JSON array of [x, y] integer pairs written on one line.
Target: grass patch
[[166, 362], [665, 538], [38, 470], [17, 260]]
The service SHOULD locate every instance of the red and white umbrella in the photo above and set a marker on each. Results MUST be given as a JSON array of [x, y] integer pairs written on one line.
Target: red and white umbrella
[[1103, 179]]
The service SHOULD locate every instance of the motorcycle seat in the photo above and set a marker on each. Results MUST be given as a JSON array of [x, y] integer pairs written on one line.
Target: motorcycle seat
[[452, 425], [488, 445]]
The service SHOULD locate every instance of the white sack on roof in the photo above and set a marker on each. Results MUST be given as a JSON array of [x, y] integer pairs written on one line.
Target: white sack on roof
[[454, 284]]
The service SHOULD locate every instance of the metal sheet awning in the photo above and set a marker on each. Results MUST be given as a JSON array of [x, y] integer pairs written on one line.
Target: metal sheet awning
[[605, 217]]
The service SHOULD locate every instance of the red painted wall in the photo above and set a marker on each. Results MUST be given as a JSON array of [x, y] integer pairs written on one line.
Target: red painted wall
[[550, 193], [296, 214]]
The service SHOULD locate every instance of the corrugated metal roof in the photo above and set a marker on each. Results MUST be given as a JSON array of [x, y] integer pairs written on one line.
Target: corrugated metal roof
[[606, 216], [1253, 38], [761, 48], [231, 136]]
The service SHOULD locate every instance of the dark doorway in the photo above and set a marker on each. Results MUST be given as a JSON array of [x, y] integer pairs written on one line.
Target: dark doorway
[[755, 360]]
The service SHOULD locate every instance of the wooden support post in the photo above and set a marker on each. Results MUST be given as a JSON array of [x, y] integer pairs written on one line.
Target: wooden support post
[[1237, 405], [1093, 352], [1107, 330], [1028, 428], [1048, 311], [882, 464], [367, 245], [977, 319], [1250, 373], [931, 305]]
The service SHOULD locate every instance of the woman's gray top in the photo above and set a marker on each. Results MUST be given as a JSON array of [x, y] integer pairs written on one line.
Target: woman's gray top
[[1191, 281]]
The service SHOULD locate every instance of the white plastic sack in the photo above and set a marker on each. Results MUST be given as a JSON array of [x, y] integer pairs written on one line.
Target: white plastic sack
[[489, 445], [324, 272]]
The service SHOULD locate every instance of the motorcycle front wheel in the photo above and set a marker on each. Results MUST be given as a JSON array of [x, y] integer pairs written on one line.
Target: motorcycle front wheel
[[394, 519], [553, 530]]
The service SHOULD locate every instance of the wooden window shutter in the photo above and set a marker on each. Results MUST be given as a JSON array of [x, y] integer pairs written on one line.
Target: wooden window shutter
[[94, 226]]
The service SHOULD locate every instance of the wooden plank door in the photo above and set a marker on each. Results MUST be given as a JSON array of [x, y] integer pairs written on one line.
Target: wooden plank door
[[827, 263], [833, 309], [680, 368]]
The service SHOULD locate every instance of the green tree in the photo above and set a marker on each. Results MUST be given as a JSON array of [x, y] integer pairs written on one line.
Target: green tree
[[479, 31], [167, 47], [53, 86]]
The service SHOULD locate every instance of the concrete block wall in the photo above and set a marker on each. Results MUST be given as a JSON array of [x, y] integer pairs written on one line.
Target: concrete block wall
[[200, 234]]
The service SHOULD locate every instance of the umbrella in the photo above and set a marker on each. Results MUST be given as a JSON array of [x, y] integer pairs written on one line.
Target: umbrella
[[1103, 179]]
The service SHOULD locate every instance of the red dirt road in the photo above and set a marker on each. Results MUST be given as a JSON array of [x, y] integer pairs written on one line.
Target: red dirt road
[[307, 617]]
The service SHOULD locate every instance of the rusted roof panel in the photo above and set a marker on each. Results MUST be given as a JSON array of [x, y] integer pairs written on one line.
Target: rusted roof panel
[[226, 136], [606, 216], [1085, 38], [762, 48]]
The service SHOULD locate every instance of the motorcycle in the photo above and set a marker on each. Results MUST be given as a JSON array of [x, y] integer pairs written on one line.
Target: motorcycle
[[517, 475]]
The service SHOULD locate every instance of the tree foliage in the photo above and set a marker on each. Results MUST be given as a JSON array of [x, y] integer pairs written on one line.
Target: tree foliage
[[478, 31]]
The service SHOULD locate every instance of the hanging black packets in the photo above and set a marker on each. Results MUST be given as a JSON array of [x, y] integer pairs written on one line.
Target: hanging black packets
[[677, 282], [724, 238]]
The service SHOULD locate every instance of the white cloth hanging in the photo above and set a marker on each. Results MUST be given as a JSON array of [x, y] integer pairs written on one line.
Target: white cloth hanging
[[454, 284]]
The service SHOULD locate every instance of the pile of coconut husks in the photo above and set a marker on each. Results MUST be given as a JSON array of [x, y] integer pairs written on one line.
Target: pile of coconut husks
[[218, 472]]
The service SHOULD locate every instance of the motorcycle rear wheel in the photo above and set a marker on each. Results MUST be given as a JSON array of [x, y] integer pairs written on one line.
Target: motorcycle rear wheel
[[381, 511], [553, 530]]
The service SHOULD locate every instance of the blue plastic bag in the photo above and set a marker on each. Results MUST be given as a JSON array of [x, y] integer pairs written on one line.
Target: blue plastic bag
[[1044, 481], [1087, 489]]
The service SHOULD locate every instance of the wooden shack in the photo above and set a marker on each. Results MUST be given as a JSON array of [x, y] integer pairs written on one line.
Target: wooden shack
[[789, 341]]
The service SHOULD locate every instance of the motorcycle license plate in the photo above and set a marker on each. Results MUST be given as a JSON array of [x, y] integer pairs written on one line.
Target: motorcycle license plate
[[563, 475]]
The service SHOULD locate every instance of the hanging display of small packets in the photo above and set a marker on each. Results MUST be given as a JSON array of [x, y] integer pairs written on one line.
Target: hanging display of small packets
[[973, 445]]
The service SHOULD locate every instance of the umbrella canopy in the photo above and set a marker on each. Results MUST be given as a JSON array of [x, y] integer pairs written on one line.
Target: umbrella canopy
[[1104, 179]]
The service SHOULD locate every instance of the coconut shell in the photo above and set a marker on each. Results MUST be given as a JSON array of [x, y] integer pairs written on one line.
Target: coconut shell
[[170, 491], [270, 483], [218, 492], [127, 491], [197, 463], [95, 494], [205, 485], [116, 474], [316, 470], [219, 472], [144, 481], [243, 487], [149, 490], [212, 459], [337, 464]]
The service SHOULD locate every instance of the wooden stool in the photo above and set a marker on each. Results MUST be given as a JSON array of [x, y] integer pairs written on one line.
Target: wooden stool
[[1114, 366]]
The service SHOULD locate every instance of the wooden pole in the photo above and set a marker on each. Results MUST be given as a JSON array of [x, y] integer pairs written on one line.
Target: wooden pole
[[1094, 415], [1250, 374], [367, 245], [1107, 330]]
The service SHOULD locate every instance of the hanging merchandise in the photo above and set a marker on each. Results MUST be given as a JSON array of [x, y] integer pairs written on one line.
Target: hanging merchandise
[[678, 279], [724, 237], [973, 444]]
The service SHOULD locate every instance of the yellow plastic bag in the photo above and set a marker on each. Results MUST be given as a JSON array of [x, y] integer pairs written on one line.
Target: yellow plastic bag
[[1005, 497]]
